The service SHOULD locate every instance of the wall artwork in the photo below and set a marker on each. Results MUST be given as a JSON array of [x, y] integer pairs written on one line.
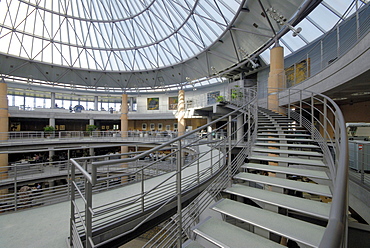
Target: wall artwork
[[297, 72], [62, 127], [152, 126], [160, 126], [153, 103], [172, 102], [143, 126], [168, 127]]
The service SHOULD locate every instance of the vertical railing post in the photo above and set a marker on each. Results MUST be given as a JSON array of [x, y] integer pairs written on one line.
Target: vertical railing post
[[338, 42], [15, 188], [69, 173], [229, 150], [211, 160], [178, 192], [325, 119], [300, 108], [249, 130], [88, 213], [142, 188], [72, 218], [321, 54], [362, 165], [289, 103], [312, 116]]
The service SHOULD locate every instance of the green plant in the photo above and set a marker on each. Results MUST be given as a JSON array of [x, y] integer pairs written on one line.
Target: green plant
[[91, 128], [220, 98], [236, 93], [49, 129]]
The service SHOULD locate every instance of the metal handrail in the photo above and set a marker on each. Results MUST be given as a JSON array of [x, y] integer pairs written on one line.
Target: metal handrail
[[102, 211], [335, 232]]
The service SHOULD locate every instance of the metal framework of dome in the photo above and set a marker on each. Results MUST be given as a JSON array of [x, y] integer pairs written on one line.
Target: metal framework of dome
[[131, 45]]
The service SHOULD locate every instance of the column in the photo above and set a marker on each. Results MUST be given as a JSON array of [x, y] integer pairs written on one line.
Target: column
[[91, 150], [276, 80], [181, 113], [4, 128], [52, 97], [96, 103], [209, 128], [124, 129]]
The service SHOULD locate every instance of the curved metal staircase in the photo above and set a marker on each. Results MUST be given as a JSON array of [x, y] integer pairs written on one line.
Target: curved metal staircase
[[279, 191], [292, 190]]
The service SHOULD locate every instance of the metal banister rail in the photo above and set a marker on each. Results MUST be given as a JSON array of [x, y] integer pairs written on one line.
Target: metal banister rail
[[332, 138], [209, 161]]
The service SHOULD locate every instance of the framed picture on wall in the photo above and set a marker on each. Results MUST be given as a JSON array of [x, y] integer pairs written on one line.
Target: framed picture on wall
[[160, 126], [103, 127], [172, 102], [168, 127], [143, 126], [56, 127], [153, 103], [152, 126], [62, 127], [174, 126]]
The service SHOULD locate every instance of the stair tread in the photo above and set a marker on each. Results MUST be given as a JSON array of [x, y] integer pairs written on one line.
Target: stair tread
[[291, 152], [289, 160], [192, 244], [276, 130], [224, 234], [284, 134], [287, 170], [286, 145], [286, 139], [312, 188], [291, 228], [310, 207]]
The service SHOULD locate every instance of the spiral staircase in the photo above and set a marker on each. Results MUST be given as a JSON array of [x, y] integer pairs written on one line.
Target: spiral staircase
[[281, 196]]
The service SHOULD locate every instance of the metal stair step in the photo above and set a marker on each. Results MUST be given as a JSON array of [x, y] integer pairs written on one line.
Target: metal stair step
[[300, 231], [289, 160], [312, 188], [287, 170], [191, 244], [287, 145], [283, 131], [290, 152], [285, 139], [284, 134], [302, 205], [224, 234]]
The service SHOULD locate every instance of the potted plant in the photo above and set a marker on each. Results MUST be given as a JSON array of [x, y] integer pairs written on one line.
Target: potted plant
[[49, 131], [90, 129]]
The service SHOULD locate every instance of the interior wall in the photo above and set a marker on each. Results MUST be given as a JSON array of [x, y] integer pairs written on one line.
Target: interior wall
[[356, 112]]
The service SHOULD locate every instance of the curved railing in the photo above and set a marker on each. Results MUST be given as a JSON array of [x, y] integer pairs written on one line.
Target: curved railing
[[325, 121], [197, 160]]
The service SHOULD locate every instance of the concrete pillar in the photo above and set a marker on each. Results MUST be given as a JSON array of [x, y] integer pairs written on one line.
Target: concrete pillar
[[4, 128], [96, 103], [124, 129], [276, 80], [52, 121], [52, 97], [181, 113], [209, 128], [91, 150], [239, 127]]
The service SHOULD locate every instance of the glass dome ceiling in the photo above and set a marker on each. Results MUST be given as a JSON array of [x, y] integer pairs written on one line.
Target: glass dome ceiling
[[148, 45], [111, 35]]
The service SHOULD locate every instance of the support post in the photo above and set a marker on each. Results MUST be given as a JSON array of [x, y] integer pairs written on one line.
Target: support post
[[178, 191], [276, 79]]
